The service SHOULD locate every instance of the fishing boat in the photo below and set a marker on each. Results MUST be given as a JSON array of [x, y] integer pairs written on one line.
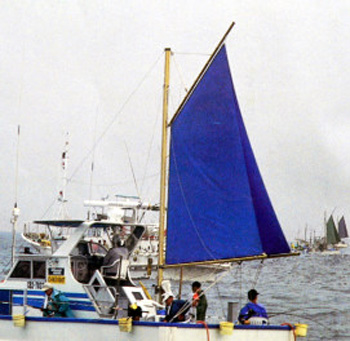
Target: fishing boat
[[124, 210], [143, 257], [217, 211]]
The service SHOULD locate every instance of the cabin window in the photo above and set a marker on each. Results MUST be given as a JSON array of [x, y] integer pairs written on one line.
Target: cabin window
[[137, 296], [128, 215], [22, 270], [39, 269]]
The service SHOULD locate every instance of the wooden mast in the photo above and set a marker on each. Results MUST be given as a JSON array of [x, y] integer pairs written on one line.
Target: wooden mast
[[163, 168]]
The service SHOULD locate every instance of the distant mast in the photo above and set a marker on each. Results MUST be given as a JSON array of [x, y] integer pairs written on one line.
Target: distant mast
[[62, 208], [15, 211]]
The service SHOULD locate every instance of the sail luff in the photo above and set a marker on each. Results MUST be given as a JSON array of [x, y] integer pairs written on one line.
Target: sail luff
[[201, 74]]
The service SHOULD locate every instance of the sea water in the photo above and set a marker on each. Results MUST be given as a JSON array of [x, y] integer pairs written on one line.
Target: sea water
[[311, 289]]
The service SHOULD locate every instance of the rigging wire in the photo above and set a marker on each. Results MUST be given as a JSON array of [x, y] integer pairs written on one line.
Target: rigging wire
[[132, 170], [92, 161], [109, 125], [189, 303], [150, 146], [194, 54], [112, 183], [49, 208], [240, 283], [180, 75], [258, 272]]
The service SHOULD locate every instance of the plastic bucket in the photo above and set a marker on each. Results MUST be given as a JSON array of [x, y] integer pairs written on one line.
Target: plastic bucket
[[19, 320], [226, 328], [300, 329], [125, 324]]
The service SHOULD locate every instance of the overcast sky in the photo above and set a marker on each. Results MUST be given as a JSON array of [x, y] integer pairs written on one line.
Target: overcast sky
[[94, 69]]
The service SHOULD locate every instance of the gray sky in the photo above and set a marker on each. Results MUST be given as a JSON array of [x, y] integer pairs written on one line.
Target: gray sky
[[81, 66]]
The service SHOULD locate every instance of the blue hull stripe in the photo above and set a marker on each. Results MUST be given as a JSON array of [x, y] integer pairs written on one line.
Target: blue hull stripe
[[41, 293], [38, 303]]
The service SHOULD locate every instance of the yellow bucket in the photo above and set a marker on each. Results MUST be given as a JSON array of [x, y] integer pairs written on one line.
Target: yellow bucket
[[19, 320], [300, 329], [125, 324], [226, 328]]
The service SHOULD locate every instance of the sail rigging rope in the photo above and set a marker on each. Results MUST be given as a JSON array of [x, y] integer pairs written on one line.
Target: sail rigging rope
[[258, 272], [109, 125], [194, 54], [240, 283], [132, 170], [180, 74], [189, 303], [149, 148]]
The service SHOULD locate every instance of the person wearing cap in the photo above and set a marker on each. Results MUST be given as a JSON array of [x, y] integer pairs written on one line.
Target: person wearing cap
[[199, 301], [252, 308], [173, 307], [55, 304]]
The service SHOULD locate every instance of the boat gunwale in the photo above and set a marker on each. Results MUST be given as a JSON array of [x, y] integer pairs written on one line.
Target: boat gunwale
[[145, 323]]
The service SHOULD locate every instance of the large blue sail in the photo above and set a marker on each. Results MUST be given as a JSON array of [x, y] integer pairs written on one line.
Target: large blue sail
[[218, 207]]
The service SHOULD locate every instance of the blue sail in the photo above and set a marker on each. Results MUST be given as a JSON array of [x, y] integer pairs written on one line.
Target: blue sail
[[218, 207]]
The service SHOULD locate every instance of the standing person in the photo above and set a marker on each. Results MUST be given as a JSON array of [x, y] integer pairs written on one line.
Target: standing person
[[252, 308], [173, 307], [199, 301], [55, 304]]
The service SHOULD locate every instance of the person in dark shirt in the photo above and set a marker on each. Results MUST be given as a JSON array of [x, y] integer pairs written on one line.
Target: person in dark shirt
[[199, 301]]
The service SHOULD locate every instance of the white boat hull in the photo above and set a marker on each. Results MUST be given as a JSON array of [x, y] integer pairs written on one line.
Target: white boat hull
[[38, 328]]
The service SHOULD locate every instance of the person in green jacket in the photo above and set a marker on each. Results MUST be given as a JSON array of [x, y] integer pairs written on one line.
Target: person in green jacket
[[55, 303], [199, 301]]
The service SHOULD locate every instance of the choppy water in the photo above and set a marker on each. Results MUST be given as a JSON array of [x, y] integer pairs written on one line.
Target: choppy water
[[312, 289]]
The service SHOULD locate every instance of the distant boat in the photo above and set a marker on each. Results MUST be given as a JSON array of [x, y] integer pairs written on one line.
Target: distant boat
[[332, 241], [342, 229]]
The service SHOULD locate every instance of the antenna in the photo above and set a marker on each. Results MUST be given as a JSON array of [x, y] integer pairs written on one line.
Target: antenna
[[93, 161], [15, 211], [62, 211]]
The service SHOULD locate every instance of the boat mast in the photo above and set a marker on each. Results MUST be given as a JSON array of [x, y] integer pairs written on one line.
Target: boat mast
[[163, 168], [15, 211]]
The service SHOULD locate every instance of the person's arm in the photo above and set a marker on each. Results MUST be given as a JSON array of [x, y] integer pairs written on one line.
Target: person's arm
[[245, 314]]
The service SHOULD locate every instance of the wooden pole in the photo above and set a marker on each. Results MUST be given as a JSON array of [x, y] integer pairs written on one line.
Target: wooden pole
[[163, 169]]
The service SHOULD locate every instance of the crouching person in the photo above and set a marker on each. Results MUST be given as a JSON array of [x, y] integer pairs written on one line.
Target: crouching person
[[56, 304]]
